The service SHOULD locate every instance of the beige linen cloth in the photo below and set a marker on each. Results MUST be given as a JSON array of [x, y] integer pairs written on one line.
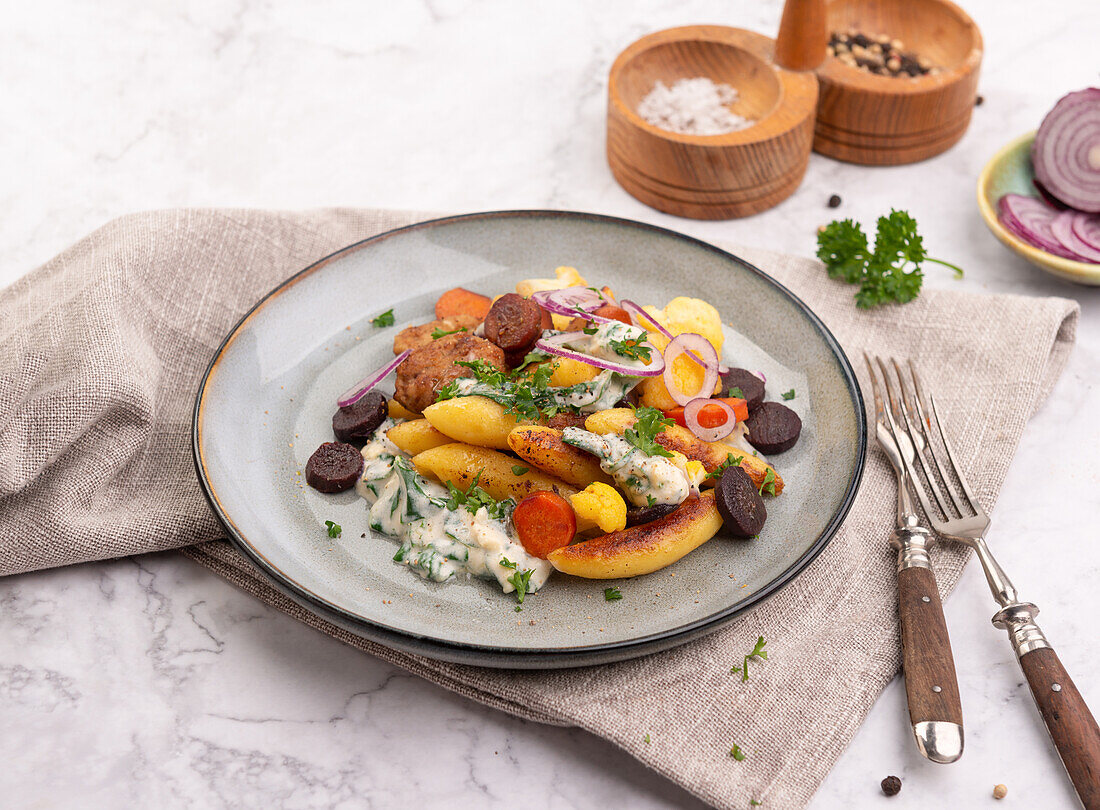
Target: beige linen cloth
[[101, 351]]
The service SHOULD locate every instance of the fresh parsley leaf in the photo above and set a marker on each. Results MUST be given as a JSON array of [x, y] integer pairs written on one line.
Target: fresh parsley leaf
[[643, 434], [528, 395], [753, 803], [385, 319], [737, 392], [591, 328], [645, 739], [737, 753], [891, 273], [474, 497], [333, 528], [439, 332], [519, 470], [730, 461], [518, 609], [633, 348], [506, 563], [484, 372], [448, 391], [650, 500], [767, 486], [522, 581], [612, 594], [533, 356], [788, 394], [757, 652]]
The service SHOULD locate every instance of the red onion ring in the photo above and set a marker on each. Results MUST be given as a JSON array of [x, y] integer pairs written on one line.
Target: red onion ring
[[1029, 218], [568, 300], [687, 343], [1087, 228], [1062, 228], [355, 393], [691, 419], [1066, 151], [553, 345], [637, 312]]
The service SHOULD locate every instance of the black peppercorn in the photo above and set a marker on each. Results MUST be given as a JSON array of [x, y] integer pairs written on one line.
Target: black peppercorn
[[978, 101], [891, 786], [834, 201]]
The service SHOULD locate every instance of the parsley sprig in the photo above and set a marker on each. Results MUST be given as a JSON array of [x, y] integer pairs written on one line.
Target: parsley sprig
[[612, 594], [333, 529], [529, 396], [643, 434], [385, 319], [439, 332], [731, 461], [757, 652], [633, 348], [891, 273], [474, 497], [522, 582], [767, 486]]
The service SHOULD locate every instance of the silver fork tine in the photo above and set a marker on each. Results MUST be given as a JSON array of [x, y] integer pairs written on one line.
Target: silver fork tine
[[919, 416], [874, 387], [894, 431], [973, 502]]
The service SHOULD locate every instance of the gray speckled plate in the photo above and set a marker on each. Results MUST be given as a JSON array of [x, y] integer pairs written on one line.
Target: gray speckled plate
[[267, 400]]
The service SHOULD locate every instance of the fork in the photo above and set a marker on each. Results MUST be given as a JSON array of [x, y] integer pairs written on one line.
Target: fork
[[931, 688], [955, 513]]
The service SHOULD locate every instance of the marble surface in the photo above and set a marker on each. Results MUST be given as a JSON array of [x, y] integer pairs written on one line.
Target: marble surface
[[150, 681]]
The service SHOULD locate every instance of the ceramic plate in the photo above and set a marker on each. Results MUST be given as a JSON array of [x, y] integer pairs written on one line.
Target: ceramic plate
[[1010, 172], [267, 399]]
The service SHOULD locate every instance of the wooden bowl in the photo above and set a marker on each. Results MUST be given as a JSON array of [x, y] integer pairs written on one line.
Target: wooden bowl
[[882, 120], [710, 176]]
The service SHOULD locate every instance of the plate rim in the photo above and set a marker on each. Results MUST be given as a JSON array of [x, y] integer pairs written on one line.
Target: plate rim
[[519, 657]]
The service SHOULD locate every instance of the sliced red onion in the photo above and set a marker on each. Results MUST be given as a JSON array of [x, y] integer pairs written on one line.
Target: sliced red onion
[[691, 419], [1062, 228], [695, 345], [636, 313], [1066, 151], [1030, 218], [555, 345], [760, 374], [353, 394], [1051, 200], [568, 300], [1087, 228]]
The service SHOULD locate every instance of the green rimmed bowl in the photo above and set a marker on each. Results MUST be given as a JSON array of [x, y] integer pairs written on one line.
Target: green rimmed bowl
[[268, 396], [1009, 172]]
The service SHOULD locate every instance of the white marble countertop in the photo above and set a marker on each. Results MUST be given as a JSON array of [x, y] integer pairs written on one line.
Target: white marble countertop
[[151, 681]]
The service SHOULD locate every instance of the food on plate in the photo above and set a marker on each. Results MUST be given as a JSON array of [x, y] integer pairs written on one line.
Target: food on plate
[[538, 444], [334, 467], [427, 369], [355, 423], [642, 549], [1064, 219], [773, 428]]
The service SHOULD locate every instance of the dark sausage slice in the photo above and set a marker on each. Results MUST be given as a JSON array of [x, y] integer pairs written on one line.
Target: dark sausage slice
[[356, 422], [740, 503], [334, 467], [514, 323], [637, 515], [751, 386], [773, 428]]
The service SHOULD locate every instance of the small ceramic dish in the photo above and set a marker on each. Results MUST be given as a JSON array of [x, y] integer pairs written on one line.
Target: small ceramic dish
[[1009, 172], [267, 399]]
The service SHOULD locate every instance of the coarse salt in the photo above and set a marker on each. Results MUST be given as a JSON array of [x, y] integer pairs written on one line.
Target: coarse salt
[[693, 107]]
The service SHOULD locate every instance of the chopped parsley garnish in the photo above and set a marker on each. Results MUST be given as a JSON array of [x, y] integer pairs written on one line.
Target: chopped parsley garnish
[[757, 652], [506, 563], [518, 609], [612, 594], [645, 739], [753, 803], [737, 753], [530, 396], [591, 329], [891, 273], [439, 332], [385, 319], [522, 581], [643, 434], [767, 486], [533, 356], [333, 528], [475, 497], [788, 394], [519, 470], [650, 500], [730, 461], [632, 348], [737, 392]]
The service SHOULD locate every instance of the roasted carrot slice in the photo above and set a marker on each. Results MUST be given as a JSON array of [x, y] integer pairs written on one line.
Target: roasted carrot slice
[[711, 417], [460, 301], [544, 521]]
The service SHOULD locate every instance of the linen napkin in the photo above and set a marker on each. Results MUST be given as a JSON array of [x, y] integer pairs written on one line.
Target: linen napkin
[[101, 350]]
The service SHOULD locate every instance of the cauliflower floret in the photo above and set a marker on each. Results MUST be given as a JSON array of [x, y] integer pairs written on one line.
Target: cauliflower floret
[[682, 315], [694, 470], [603, 504], [566, 277]]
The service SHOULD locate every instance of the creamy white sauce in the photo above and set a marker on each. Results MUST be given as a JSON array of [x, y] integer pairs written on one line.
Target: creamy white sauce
[[598, 394], [436, 542], [640, 476]]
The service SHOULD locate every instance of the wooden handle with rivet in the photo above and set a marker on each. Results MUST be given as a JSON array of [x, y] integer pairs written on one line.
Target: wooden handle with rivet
[[800, 44], [935, 709], [1069, 721]]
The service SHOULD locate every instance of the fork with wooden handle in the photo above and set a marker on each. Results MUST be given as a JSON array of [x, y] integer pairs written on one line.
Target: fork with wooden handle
[[955, 514], [935, 710]]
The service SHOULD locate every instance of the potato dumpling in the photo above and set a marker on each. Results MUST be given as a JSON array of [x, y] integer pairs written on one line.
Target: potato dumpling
[[571, 372], [682, 315], [565, 277], [602, 504]]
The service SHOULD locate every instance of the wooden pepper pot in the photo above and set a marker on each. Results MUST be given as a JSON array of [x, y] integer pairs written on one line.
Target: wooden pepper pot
[[710, 176]]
